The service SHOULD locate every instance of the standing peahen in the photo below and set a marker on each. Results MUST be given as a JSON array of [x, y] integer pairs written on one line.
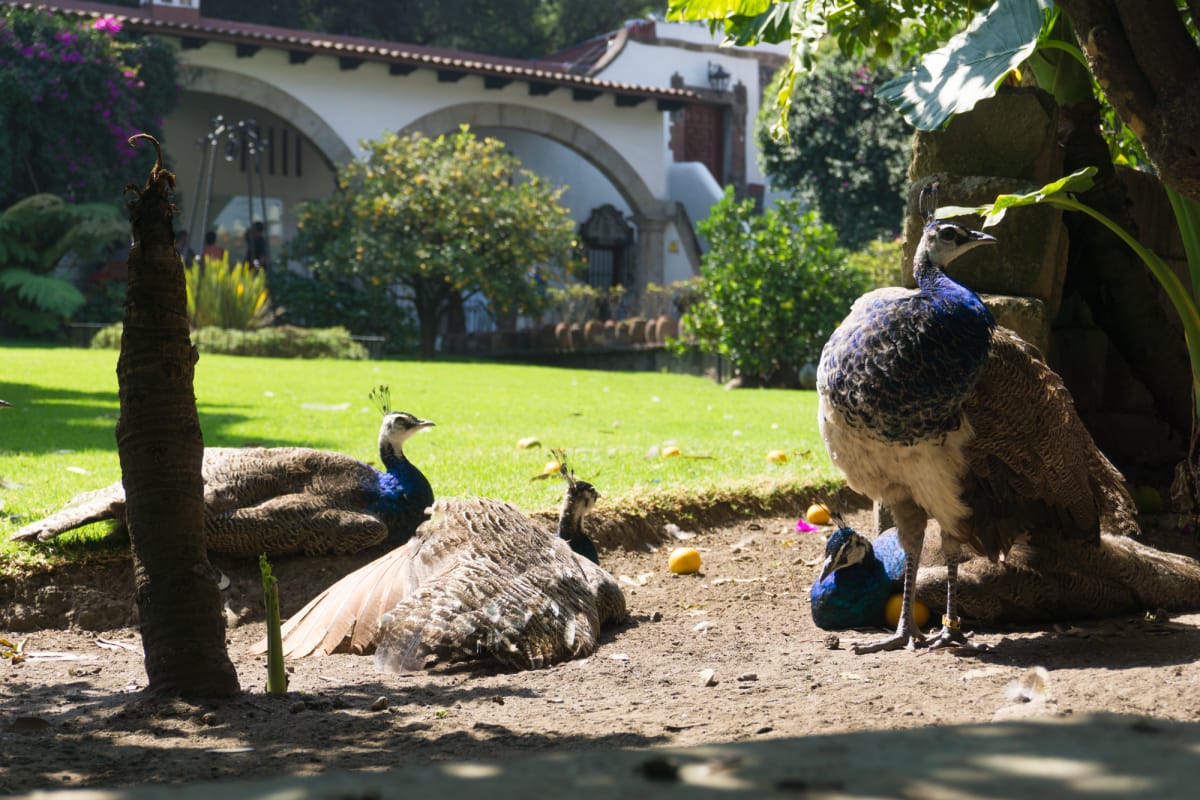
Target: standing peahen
[[480, 579], [288, 500], [932, 410]]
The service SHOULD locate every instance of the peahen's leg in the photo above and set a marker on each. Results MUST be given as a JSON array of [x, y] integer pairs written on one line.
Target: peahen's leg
[[951, 634], [910, 526]]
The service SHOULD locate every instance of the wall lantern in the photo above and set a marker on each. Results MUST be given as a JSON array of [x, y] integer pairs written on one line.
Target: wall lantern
[[718, 77]]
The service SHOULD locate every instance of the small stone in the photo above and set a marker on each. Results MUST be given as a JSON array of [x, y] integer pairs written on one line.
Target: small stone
[[656, 616], [708, 677], [748, 676], [832, 642], [210, 718], [296, 707], [380, 704]]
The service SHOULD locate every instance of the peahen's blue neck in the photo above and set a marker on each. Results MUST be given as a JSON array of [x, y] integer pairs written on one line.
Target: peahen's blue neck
[[949, 295], [402, 494]]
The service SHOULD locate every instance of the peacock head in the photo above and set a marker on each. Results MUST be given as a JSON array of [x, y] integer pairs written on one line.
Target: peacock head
[[581, 496], [398, 426], [580, 499], [845, 548], [943, 241]]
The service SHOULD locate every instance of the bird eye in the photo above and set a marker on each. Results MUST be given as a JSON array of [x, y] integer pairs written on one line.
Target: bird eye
[[947, 234]]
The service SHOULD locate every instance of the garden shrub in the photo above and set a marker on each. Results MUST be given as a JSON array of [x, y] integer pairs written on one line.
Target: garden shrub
[[772, 287], [319, 301], [281, 341], [882, 261], [223, 296]]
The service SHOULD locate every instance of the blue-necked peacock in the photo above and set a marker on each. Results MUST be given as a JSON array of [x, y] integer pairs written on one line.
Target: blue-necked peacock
[[289, 500]]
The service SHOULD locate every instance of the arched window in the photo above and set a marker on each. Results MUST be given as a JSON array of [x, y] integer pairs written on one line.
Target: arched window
[[608, 239]]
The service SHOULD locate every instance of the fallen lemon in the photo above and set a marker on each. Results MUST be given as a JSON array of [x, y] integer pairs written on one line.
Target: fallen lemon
[[670, 450], [776, 456], [817, 514], [528, 442], [891, 612], [551, 467], [1148, 499], [684, 560]]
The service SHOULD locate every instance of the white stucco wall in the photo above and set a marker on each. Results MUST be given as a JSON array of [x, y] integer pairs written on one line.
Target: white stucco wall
[[587, 188], [363, 103], [654, 64]]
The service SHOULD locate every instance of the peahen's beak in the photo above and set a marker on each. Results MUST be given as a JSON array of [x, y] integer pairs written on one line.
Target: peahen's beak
[[829, 567]]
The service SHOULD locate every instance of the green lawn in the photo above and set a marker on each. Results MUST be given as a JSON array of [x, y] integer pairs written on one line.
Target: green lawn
[[58, 438]]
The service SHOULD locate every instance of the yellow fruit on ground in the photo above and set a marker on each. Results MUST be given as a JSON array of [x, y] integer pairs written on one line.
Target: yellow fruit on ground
[[1148, 499], [891, 612], [551, 468], [817, 514], [684, 560], [670, 450], [777, 456], [528, 442]]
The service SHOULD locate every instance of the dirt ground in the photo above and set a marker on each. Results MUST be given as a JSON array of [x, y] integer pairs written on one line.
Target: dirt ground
[[728, 654]]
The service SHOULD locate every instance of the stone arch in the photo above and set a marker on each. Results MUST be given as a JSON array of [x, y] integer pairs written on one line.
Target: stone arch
[[285, 106], [553, 126]]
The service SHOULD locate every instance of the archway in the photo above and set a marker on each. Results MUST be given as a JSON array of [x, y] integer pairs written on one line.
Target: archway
[[256, 92], [557, 128]]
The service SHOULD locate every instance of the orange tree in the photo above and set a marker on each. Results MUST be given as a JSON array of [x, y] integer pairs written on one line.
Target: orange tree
[[427, 220]]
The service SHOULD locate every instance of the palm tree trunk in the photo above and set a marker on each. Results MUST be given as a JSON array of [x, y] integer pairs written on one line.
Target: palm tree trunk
[[161, 451]]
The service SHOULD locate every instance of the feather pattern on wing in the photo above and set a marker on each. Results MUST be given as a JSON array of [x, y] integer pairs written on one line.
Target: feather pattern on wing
[[1032, 465], [479, 580]]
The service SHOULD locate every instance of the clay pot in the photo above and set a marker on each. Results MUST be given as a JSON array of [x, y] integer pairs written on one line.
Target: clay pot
[[668, 328], [562, 335], [637, 331]]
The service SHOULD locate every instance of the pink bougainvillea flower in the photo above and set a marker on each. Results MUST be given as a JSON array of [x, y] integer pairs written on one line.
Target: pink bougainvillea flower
[[804, 526], [108, 25]]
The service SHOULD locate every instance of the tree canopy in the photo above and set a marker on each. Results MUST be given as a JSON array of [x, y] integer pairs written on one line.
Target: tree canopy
[[512, 28], [846, 151], [429, 220]]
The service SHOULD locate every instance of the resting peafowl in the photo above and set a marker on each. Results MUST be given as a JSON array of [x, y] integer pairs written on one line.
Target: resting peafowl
[[480, 579], [931, 409], [288, 500], [1060, 580], [856, 580]]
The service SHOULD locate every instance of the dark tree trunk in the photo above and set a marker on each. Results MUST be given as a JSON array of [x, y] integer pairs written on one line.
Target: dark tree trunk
[[161, 450], [432, 299], [1149, 67]]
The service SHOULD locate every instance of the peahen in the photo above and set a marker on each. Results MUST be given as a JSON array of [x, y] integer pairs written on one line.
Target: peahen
[[932, 410], [1061, 580], [480, 579], [288, 500]]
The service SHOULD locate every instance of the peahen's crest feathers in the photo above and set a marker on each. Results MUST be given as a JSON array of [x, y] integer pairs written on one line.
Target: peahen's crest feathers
[[381, 396]]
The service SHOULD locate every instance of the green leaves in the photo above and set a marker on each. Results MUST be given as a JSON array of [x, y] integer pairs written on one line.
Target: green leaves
[[773, 286], [952, 79], [46, 292], [227, 297], [992, 213], [428, 218]]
